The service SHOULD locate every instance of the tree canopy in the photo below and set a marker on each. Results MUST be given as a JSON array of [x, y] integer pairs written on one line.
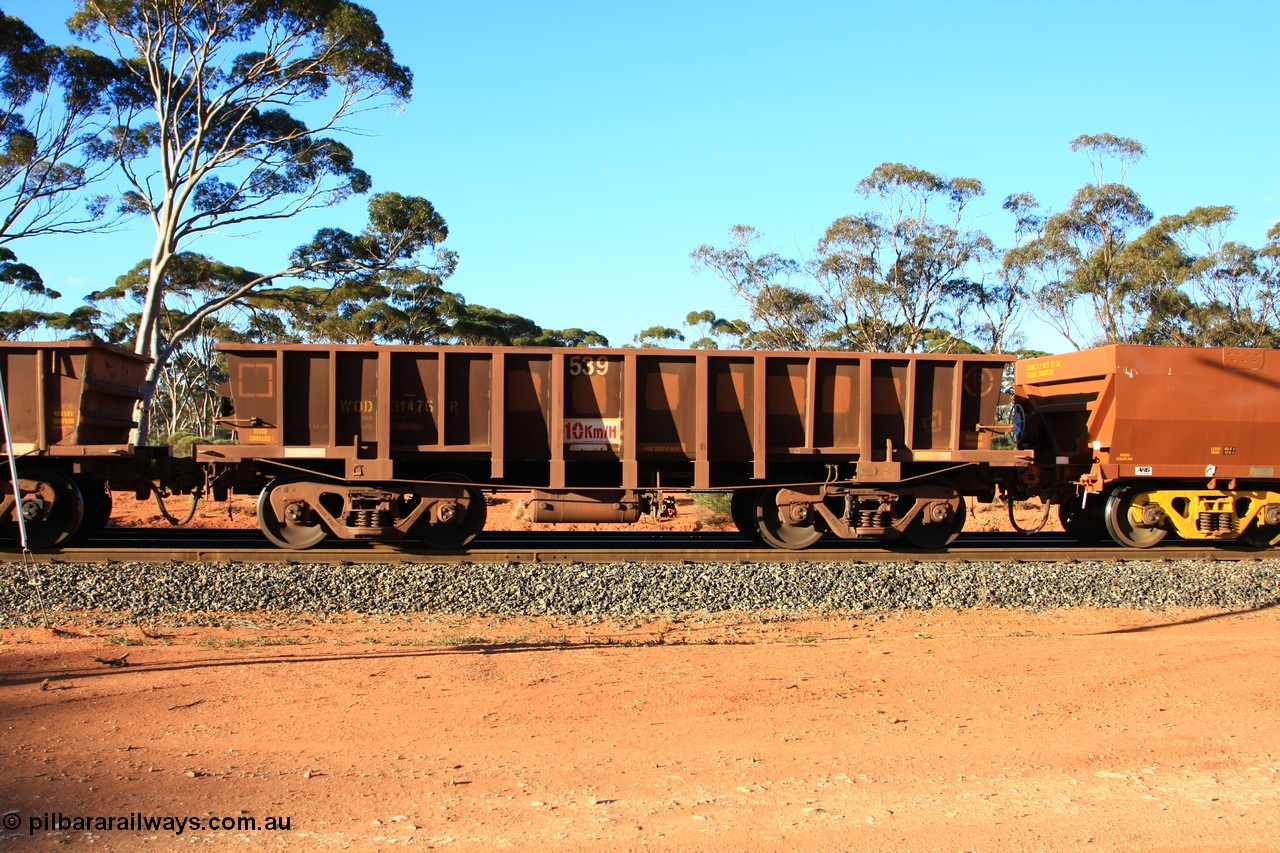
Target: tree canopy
[[907, 273], [895, 277], [54, 148], [226, 116], [1105, 270]]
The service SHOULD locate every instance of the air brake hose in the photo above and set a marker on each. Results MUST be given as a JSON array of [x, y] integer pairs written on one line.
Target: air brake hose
[[164, 511], [1008, 499]]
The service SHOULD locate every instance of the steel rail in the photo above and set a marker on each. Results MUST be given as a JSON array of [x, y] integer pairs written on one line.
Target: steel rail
[[248, 546]]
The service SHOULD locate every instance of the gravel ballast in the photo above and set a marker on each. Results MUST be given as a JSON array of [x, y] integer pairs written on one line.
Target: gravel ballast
[[187, 591]]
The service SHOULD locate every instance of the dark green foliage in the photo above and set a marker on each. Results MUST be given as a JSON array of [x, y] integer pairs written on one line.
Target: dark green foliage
[[896, 278]]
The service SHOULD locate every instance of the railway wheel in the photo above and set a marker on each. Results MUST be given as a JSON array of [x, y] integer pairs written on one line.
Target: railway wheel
[[937, 525], [1260, 534], [1264, 532], [1084, 523], [97, 509], [452, 523], [742, 508], [1130, 522], [295, 526], [52, 508], [789, 526]]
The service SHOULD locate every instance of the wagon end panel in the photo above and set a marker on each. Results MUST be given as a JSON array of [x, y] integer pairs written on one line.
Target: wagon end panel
[[253, 389], [1069, 403], [22, 370], [109, 386], [70, 397]]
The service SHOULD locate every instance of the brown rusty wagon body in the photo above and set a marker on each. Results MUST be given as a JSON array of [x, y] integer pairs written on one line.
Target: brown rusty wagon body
[[364, 438], [376, 442], [1150, 440], [70, 411]]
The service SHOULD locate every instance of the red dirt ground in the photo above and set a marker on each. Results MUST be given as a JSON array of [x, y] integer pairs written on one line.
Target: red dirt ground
[[983, 730]]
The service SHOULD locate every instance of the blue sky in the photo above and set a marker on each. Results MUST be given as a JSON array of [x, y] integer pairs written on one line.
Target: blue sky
[[581, 150]]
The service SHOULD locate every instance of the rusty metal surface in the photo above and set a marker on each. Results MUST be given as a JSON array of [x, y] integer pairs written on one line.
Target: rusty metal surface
[[1160, 412], [606, 418], [70, 397]]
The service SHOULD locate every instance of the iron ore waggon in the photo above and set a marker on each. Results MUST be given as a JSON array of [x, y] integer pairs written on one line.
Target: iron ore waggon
[[1141, 442], [69, 411], [394, 441], [400, 442]]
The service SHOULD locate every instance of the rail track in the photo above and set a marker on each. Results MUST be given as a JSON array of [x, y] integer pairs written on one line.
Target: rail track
[[130, 545], [120, 578]]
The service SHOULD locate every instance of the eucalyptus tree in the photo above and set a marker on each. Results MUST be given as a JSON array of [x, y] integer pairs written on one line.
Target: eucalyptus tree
[[214, 137], [902, 275], [185, 398], [576, 337], [54, 104], [1000, 299], [658, 336], [401, 303], [1082, 278], [1221, 293], [482, 326], [1105, 270], [899, 276], [711, 331], [398, 306], [782, 316]]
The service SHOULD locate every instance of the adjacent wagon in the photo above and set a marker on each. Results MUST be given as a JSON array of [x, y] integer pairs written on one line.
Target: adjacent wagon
[[69, 410], [1147, 441]]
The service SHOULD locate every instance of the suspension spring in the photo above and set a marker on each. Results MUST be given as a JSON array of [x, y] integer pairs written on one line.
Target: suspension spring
[[1216, 522], [368, 518], [872, 518]]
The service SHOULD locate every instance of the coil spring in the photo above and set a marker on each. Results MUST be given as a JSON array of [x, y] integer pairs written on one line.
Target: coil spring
[[369, 518], [1216, 522], [872, 518]]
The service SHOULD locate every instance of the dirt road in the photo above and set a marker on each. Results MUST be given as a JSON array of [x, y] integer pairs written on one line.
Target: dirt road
[[982, 730]]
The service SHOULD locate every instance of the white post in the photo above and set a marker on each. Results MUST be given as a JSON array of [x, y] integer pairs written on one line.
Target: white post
[[13, 467]]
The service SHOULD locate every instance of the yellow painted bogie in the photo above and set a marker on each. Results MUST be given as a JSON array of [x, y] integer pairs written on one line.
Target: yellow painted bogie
[[1213, 514]]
